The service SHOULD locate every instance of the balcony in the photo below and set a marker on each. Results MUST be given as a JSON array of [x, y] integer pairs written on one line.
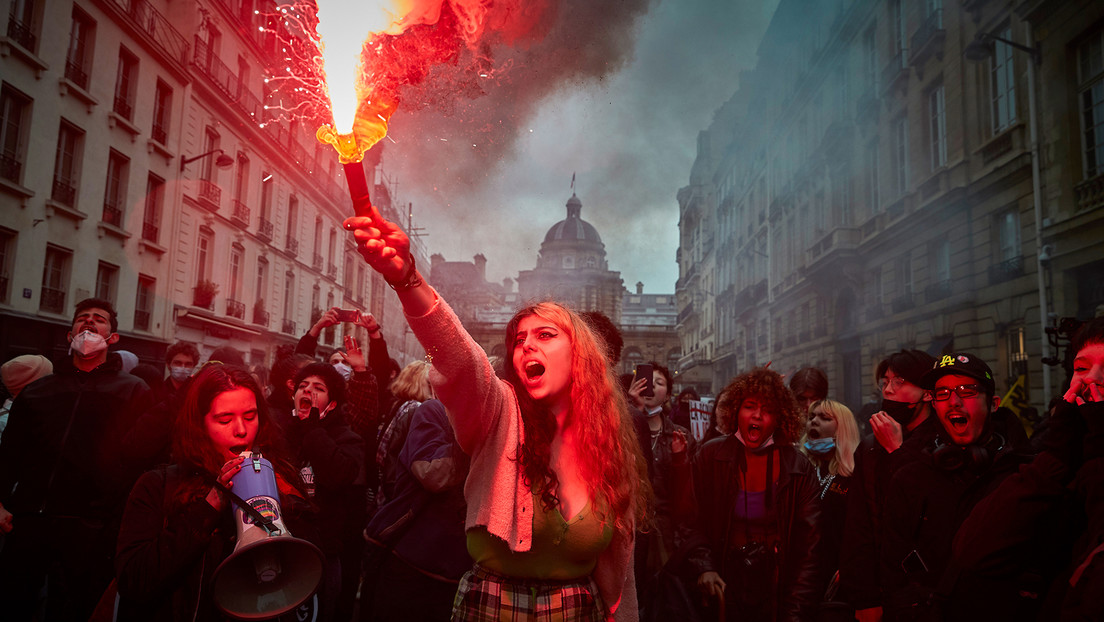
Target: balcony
[[159, 134], [264, 230], [150, 232], [841, 241], [288, 327], [895, 71], [903, 303], [10, 168], [225, 81], [123, 108], [210, 194], [331, 270], [1006, 270], [316, 262], [937, 291], [153, 26], [112, 215], [875, 312], [141, 319], [260, 316], [235, 309], [53, 300], [64, 193], [292, 246], [928, 39], [76, 74], [686, 313], [240, 213], [791, 341], [21, 33], [1090, 193]]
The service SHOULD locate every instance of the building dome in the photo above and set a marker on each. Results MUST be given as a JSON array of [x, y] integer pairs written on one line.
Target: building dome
[[573, 228]]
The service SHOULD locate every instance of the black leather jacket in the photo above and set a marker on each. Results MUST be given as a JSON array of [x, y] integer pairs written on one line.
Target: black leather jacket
[[798, 511]]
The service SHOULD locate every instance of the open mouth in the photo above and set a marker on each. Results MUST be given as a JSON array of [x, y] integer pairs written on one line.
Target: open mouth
[[238, 449], [533, 370], [814, 433], [958, 421], [305, 403]]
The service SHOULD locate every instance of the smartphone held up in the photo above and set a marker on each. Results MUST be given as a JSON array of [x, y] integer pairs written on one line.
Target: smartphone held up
[[647, 372]]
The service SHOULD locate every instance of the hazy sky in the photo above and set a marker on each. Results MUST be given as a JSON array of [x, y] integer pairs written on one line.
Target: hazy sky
[[627, 130]]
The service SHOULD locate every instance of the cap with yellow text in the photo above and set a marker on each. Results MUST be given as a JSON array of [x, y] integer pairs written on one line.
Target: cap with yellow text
[[962, 364]]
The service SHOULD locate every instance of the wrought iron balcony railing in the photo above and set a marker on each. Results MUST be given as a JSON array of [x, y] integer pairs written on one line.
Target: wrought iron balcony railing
[[112, 215], [235, 308], [53, 300]]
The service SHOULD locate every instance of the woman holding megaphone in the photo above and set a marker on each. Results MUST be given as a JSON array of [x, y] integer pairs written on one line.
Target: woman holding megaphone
[[178, 526]]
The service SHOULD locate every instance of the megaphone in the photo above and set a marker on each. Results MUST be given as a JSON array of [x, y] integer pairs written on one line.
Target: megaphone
[[270, 572]]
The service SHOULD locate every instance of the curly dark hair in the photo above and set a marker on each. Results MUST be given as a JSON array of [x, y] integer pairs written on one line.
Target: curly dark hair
[[769, 387]]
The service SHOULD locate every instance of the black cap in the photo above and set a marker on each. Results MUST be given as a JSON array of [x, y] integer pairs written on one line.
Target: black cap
[[963, 364]]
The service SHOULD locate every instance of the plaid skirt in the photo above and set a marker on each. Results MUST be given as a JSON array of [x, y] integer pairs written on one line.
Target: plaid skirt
[[486, 596]]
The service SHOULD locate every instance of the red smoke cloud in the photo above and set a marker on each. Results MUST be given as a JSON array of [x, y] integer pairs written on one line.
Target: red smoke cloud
[[468, 74]]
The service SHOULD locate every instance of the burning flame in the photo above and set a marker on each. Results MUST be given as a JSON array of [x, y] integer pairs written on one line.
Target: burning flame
[[372, 48], [360, 116]]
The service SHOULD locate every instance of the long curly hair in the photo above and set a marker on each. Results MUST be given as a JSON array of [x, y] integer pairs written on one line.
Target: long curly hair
[[192, 448], [768, 386], [612, 464]]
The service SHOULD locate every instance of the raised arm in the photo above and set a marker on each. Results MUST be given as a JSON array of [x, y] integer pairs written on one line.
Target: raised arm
[[462, 376], [387, 249]]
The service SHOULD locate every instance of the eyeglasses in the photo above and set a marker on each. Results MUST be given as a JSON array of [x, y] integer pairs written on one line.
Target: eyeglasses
[[891, 383], [963, 391]]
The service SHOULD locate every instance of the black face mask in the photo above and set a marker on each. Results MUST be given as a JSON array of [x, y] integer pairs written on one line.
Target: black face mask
[[901, 412]]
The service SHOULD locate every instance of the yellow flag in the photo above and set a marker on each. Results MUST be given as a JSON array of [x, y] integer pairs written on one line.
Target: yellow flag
[[1016, 401]]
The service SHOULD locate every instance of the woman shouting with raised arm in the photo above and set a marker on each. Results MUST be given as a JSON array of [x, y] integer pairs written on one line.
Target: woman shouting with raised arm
[[557, 484]]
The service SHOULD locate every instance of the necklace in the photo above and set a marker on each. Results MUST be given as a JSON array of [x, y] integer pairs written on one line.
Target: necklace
[[825, 481]]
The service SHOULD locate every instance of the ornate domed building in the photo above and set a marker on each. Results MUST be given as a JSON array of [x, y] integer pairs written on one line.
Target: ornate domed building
[[572, 268]]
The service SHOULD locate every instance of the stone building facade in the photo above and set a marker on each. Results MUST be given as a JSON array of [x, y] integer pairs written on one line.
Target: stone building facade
[[141, 162], [571, 268], [872, 186]]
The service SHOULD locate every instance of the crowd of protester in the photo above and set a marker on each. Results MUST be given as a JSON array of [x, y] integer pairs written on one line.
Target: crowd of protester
[[542, 486]]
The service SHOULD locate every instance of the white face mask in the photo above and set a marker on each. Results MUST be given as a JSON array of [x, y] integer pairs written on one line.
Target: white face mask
[[180, 374], [345, 371], [88, 344]]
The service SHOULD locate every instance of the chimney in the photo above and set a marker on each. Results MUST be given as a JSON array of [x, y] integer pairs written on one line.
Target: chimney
[[508, 284], [435, 260], [480, 266], [639, 288]]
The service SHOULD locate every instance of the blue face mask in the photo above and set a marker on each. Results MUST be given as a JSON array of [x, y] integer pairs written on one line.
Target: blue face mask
[[820, 446]]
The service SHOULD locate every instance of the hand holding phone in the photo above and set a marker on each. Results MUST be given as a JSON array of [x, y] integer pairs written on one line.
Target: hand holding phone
[[348, 315], [646, 372]]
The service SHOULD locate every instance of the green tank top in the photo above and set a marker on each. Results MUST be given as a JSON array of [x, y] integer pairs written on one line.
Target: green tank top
[[561, 549]]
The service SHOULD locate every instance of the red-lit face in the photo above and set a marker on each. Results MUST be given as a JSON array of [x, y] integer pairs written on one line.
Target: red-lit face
[[755, 421], [963, 417], [232, 422], [821, 424], [311, 392], [1088, 367], [542, 360]]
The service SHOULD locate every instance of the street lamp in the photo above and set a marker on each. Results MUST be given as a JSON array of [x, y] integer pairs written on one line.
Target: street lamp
[[980, 50], [222, 161]]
